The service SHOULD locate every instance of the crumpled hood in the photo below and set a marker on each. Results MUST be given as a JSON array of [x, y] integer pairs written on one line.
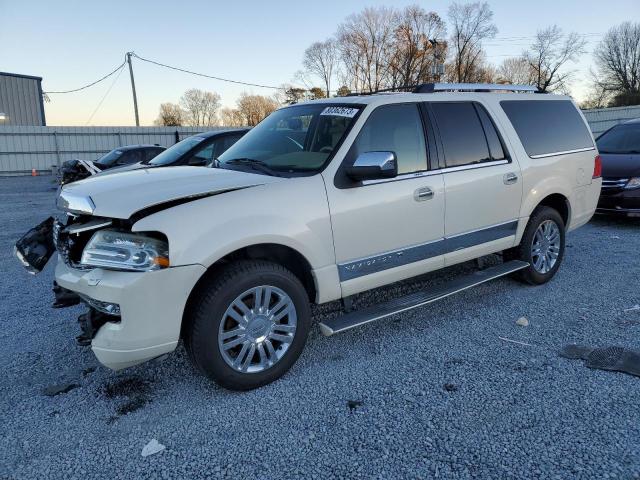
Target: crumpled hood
[[122, 194]]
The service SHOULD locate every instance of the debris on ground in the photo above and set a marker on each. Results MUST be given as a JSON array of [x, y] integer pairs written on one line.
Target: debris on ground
[[522, 321], [135, 390], [450, 387], [635, 308], [152, 448], [354, 404], [614, 359], [58, 388]]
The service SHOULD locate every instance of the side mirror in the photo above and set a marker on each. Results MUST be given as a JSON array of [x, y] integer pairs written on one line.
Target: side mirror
[[374, 166]]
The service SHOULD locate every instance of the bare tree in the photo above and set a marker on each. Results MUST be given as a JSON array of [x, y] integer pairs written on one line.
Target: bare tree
[[200, 107], [231, 117], [414, 47], [549, 54], [254, 108], [170, 115], [365, 41], [315, 93], [617, 59], [320, 59], [517, 71], [471, 24]]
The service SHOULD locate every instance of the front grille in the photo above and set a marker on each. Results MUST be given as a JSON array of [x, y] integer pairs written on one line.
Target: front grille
[[69, 246], [614, 183]]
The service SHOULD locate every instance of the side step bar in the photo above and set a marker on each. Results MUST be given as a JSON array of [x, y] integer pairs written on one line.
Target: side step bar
[[418, 299]]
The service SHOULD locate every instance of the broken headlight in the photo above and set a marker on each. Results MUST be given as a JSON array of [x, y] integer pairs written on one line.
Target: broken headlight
[[125, 251]]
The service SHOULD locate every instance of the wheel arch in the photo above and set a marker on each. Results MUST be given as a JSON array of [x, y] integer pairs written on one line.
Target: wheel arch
[[281, 254], [559, 203]]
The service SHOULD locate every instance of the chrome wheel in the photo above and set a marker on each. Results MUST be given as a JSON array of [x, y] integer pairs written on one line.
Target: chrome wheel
[[257, 329], [545, 248]]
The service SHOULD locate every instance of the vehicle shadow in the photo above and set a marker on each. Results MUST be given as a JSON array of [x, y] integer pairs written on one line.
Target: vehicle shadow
[[615, 221]]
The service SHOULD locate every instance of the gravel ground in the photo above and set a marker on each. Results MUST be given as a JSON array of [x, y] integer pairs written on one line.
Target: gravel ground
[[432, 393]]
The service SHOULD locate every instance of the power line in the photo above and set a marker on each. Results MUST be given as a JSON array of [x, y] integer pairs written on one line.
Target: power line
[[115, 80], [92, 83], [204, 75]]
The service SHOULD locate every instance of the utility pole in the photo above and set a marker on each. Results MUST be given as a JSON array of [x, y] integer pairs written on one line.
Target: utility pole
[[434, 68], [133, 88]]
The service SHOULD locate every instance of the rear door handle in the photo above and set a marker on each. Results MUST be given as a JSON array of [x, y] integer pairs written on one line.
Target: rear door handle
[[510, 178], [422, 194]]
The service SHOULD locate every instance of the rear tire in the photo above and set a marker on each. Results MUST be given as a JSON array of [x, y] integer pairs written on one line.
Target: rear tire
[[542, 246], [248, 325]]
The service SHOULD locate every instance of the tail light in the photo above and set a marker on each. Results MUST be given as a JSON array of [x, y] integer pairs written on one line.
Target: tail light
[[597, 167]]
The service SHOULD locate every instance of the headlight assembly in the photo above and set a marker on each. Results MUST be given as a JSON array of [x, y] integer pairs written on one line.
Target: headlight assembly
[[125, 251], [633, 183]]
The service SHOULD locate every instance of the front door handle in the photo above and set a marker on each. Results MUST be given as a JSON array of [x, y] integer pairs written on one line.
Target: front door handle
[[422, 194], [510, 178]]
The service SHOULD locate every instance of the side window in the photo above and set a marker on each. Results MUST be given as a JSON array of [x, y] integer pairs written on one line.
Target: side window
[[151, 153], [493, 139], [225, 143], [462, 135], [129, 157], [203, 156], [547, 127], [395, 128]]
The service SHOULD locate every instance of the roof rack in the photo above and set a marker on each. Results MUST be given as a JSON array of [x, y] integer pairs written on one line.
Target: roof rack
[[472, 87]]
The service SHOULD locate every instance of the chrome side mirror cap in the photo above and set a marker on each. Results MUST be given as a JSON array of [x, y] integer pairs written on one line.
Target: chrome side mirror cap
[[374, 166]]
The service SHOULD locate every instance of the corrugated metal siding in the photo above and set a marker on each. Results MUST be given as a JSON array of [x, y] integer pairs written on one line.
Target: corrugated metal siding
[[21, 100], [26, 147], [602, 119]]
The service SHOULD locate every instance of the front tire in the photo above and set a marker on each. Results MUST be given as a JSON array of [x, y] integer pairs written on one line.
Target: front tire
[[248, 325], [542, 246]]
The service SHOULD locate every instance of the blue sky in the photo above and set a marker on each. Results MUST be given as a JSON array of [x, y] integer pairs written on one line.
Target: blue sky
[[75, 42]]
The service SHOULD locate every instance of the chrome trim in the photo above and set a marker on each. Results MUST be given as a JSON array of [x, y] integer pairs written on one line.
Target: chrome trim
[[75, 203], [415, 253], [474, 87], [428, 173], [566, 152], [91, 225]]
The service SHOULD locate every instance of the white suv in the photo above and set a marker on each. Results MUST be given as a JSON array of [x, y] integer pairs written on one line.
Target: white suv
[[321, 201]]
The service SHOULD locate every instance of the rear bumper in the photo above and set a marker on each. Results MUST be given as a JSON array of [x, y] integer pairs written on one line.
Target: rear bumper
[[151, 309]]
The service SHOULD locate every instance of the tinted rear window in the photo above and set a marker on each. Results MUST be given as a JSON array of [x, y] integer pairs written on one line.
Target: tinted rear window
[[547, 126], [462, 134]]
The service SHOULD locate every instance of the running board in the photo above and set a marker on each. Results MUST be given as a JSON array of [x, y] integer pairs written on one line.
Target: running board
[[418, 299]]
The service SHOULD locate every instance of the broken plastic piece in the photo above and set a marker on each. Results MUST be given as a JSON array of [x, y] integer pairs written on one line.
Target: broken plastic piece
[[36, 246], [152, 448], [615, 359], [90, 323], [64, 298]]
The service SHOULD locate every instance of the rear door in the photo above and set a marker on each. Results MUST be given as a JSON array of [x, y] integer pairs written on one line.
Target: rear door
[[483, 187]]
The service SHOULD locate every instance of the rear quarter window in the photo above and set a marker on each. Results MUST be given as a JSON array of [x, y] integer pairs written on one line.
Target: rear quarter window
[[547, 127]]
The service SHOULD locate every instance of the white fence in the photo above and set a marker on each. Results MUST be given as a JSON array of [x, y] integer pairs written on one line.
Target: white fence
[[601, 119], [25, 148]]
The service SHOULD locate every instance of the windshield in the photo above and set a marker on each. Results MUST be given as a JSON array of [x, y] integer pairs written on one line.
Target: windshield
[[294, 139], [620, 139], [176, 151], [110, 158]]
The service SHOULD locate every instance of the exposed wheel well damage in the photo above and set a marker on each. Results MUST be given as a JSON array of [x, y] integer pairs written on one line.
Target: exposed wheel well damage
[[560, 203], [289, 258]]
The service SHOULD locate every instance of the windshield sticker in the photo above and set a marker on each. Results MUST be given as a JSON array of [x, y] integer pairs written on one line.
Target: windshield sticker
[[340, 111]]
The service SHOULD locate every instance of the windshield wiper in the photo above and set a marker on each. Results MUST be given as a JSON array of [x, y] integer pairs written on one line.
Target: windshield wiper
[[258, 165]]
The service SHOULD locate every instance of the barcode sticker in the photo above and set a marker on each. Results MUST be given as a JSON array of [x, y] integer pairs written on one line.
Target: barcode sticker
[[340, 111]]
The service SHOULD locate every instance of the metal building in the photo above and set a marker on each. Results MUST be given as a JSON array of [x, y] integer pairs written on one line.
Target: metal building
[[21, 100]]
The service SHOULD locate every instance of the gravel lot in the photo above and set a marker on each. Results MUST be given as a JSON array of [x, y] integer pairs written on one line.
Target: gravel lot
[[432, 393]]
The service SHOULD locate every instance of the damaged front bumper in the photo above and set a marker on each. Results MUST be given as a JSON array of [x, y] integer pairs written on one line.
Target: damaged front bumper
[[151, 305]]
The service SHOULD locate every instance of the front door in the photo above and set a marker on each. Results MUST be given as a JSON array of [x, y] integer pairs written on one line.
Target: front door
[[387, 230], [483, 186]]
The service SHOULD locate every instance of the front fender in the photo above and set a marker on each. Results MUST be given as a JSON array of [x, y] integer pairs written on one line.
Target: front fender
[[293, 213]]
